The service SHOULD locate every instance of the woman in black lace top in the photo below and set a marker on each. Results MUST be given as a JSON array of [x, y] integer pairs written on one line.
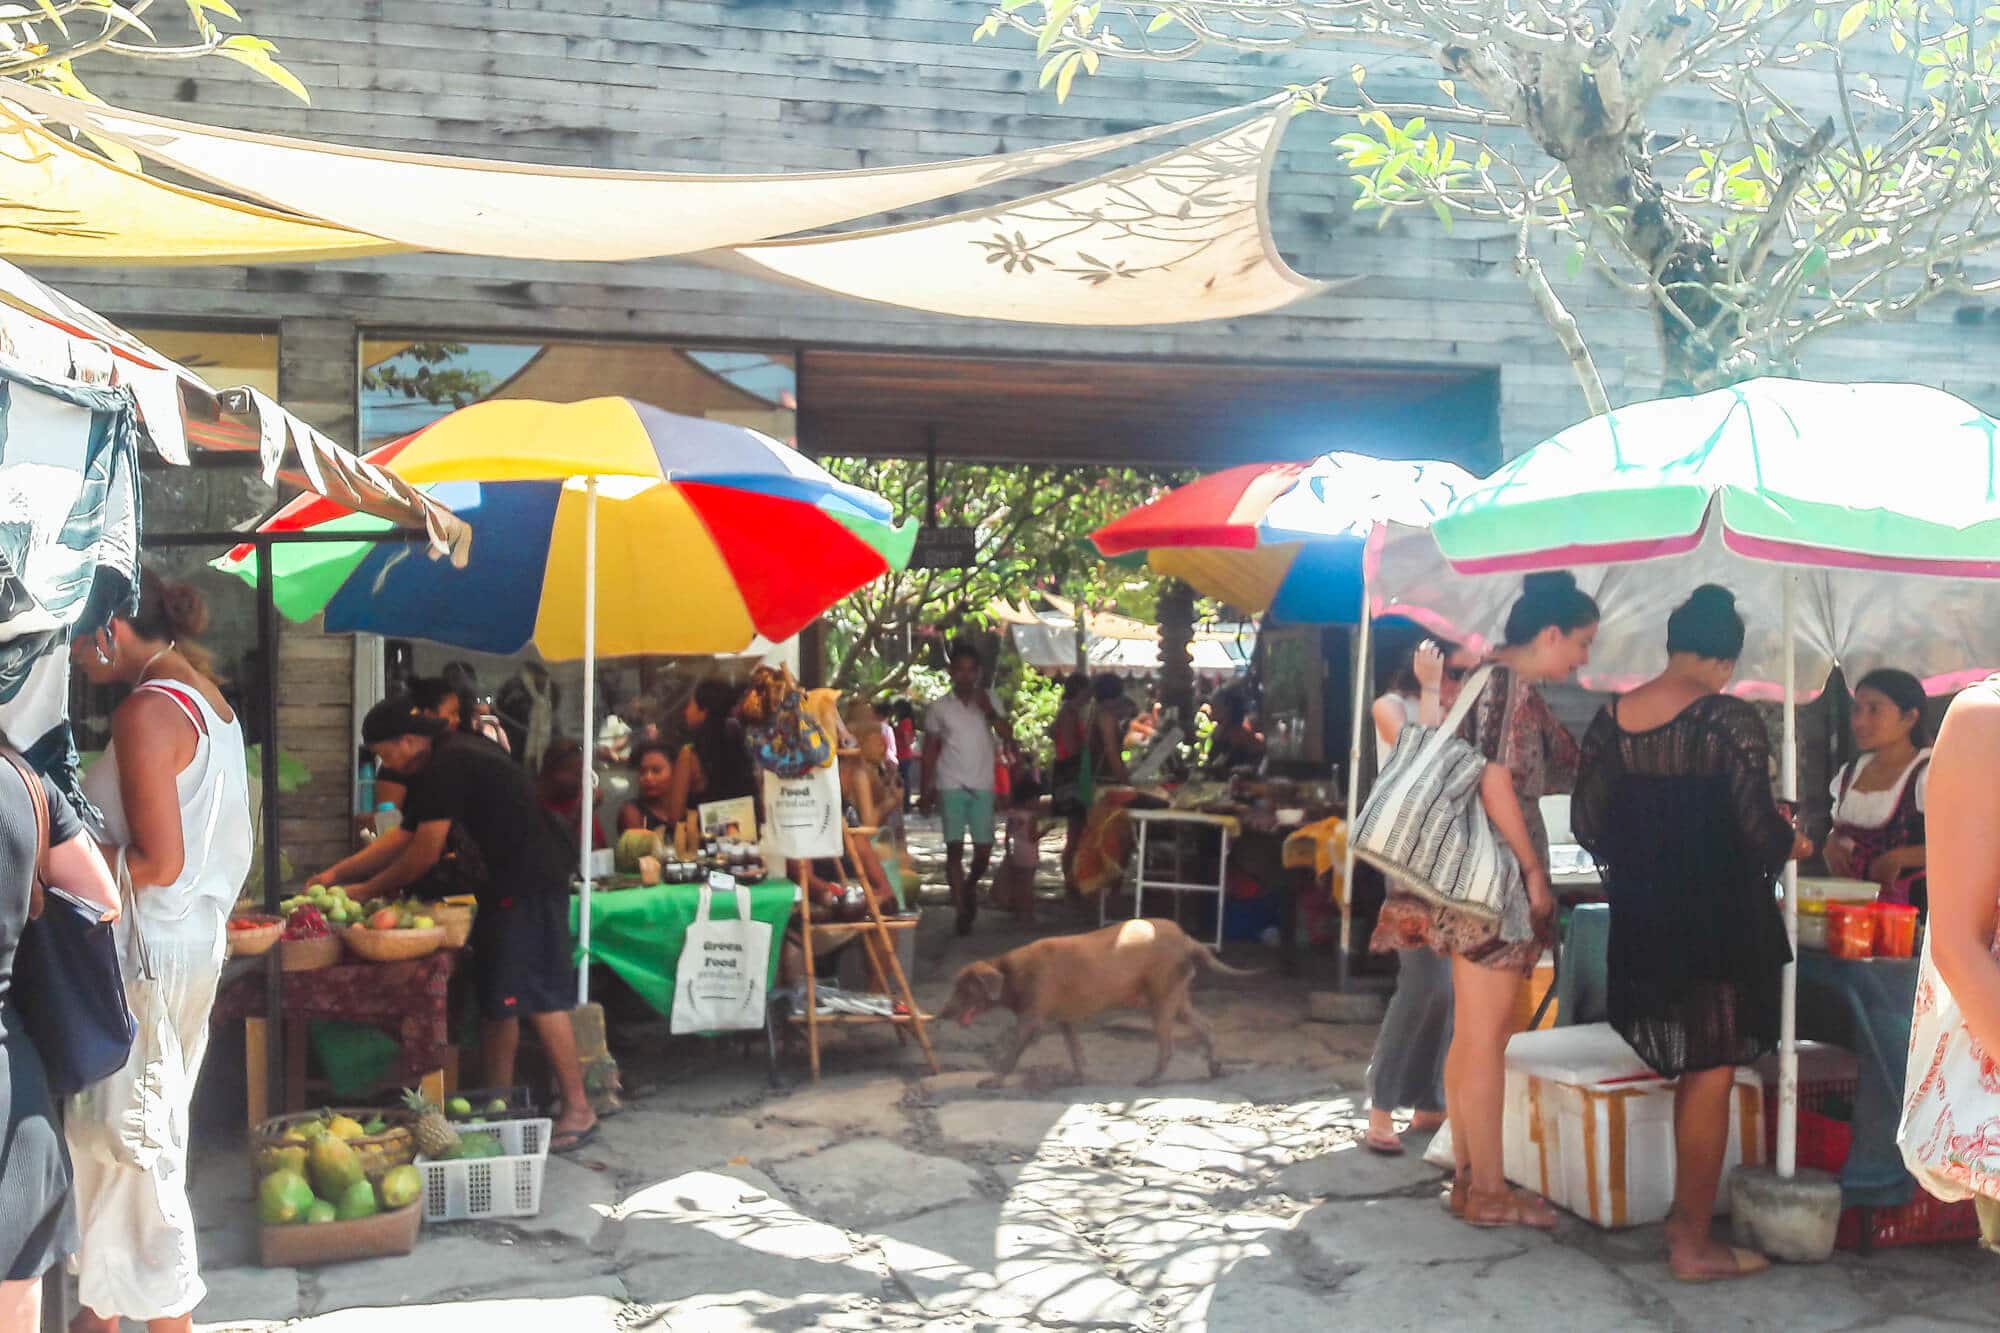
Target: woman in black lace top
[[1673, 799]]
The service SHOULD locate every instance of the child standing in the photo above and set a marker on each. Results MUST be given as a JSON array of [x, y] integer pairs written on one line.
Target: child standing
[[1014, 880]]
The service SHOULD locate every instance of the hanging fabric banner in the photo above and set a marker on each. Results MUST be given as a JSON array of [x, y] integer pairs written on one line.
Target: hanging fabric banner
[[519, 210], [1181, 238]]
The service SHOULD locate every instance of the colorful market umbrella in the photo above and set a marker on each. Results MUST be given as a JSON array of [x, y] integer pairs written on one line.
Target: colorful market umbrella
[[1285, 539], [711, 536], [1866, 515], [1291, 540]]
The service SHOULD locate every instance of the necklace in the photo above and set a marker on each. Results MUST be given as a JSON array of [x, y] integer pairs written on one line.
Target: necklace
[[149, 663]]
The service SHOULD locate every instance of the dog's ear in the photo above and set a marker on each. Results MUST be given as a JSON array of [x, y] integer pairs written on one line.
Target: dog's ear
[[990, 977]]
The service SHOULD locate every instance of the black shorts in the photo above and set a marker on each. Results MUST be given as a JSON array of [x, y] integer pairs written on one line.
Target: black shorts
[[522, 947]]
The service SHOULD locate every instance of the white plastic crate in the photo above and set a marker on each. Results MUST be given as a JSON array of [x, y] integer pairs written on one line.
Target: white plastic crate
[[506, 1186]]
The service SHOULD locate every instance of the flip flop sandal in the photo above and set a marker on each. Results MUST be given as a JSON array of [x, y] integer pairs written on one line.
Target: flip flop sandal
[[1747, 1263], [575, 1141], [1509, 1208], [1389, 1147]]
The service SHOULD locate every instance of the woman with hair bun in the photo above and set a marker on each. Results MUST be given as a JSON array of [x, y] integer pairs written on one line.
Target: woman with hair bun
[[1878, 799], [176, 802], [1548, 636], [1673, 799]]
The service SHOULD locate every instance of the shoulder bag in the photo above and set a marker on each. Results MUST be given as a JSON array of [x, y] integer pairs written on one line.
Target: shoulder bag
[[68, 987], [1424, 827]]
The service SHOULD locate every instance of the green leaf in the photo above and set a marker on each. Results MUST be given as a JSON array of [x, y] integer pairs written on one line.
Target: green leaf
[[222, 7], [988, 27], [254, 53], [1160, 22], [1068, 75], [1443, 211], [1052, 67], [1359, 75], [1573, 264], [1851, 21]]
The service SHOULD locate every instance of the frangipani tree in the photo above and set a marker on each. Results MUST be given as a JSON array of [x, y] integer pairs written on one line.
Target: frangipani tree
[[1825, 162]]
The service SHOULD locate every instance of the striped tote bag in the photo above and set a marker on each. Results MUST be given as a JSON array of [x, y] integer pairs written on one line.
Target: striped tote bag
[[1423, 825]]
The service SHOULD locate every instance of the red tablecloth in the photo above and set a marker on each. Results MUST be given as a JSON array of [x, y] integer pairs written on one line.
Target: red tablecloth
[[406, 1000]]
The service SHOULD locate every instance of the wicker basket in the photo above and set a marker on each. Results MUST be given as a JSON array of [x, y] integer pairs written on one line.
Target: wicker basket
[[303, 1245], [251, 942], [379, 1153], [395, 946], [308, 955], [455, 921]]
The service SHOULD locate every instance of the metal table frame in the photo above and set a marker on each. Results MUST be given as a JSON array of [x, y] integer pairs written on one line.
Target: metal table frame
[[1144, 820]]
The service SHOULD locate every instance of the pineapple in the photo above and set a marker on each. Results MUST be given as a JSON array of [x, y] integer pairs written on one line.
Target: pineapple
[[435, 1137]]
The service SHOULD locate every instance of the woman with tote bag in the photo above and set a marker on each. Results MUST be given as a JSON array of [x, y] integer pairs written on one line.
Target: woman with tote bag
[[176, 802], [1528, 756]]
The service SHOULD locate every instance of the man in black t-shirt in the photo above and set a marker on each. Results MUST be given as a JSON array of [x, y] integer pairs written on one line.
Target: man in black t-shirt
[[521, 934]]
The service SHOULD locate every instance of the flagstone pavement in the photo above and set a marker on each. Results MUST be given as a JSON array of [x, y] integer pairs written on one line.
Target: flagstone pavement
[[885, 1198]]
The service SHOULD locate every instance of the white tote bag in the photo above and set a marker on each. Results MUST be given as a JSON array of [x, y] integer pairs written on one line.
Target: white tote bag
[[724, 969], [804, 814], [127, 1119], [1425, 828], [1950, 1132]]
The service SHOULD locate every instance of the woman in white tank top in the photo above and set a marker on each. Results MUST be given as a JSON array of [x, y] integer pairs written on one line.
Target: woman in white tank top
[[176, 802]]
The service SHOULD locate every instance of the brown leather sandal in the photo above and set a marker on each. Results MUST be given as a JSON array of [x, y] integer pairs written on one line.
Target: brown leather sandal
[[1453, 1198], [1743, 1264], [1507, 1208]]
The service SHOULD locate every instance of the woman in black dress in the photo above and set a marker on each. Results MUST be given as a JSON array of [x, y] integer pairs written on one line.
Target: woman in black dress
[[37, 1221], [1673, 799]]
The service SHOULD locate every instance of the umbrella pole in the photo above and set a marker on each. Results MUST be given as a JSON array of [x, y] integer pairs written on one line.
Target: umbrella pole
[[1363, 634], [1788, 1048], [588, 805]]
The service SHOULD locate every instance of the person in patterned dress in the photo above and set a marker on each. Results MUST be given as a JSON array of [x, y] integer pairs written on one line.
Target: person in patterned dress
[[1548, 636]]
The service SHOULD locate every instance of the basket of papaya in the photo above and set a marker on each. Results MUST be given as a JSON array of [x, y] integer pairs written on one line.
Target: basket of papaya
[[396, 933], [330, 1187]]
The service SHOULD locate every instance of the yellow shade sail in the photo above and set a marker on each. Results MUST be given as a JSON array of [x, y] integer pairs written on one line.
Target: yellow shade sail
[[65, 204]]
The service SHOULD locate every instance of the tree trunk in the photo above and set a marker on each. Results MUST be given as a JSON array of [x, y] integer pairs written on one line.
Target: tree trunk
[[1176, 610]]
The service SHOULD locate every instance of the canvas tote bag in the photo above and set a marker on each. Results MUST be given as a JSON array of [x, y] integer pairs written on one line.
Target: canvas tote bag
[[724, 969], [1950, 1130], [1424, 827], [127, 1119]]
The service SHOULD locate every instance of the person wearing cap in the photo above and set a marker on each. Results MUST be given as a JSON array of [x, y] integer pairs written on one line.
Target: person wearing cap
[[521, 934]]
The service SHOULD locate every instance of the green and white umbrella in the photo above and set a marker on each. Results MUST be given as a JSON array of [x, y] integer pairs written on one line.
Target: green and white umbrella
[[1858, 524]]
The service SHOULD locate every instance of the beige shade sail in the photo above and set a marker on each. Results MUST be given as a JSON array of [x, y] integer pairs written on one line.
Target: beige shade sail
[[1181, 238], [67, 205], [515, 210], [49, 335]]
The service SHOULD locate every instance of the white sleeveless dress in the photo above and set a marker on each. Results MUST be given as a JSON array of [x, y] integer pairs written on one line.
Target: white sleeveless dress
[[137, 1260]]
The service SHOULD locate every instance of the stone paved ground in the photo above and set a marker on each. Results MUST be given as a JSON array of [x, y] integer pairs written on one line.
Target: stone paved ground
[[887, 1199]]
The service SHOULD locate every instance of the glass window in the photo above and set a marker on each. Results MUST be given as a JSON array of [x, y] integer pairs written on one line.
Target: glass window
[[407, 384]]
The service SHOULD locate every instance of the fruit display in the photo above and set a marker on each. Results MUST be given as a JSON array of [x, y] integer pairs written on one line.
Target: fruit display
[[306, 922], [251, 934], [404, 915], [333, 904], [632, 845], [331, 1188], [378, 1145], [435, 1135]]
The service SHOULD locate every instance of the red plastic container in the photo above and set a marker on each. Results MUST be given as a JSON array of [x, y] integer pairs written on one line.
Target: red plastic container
[[1850, 930], [1895, 930], [1921, 1221]]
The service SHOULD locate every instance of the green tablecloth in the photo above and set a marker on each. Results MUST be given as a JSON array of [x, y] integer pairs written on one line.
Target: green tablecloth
[[638, 933]]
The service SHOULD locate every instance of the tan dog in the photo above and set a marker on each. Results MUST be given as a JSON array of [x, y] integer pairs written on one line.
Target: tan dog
[[1144, 964]]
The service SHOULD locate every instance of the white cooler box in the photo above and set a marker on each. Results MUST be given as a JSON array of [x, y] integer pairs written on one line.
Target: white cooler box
[[1591, 1128]]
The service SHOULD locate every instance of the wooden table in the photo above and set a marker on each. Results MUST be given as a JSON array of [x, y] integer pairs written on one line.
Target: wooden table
[[407, 1000]]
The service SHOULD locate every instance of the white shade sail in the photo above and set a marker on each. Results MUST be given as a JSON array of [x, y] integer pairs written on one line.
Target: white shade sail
[[517, 210], [1180, 238]]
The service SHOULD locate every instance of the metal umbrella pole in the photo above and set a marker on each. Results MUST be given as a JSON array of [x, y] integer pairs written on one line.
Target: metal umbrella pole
[[587, 805], [1363, 644], [1788, 1029]]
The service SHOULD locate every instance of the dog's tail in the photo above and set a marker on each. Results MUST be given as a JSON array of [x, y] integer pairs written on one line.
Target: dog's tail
[[1204, 959]]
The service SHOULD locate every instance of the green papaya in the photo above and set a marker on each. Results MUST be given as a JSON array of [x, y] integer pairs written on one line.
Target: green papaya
[[332, 1166], [321, 1211], [402, 1186], [283, 1198], [358, 1200]]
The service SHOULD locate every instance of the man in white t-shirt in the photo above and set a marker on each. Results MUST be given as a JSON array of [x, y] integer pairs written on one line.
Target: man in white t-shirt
[[962, 734]]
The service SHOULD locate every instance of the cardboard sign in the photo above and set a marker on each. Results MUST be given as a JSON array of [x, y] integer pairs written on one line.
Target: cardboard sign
[[729, 819]]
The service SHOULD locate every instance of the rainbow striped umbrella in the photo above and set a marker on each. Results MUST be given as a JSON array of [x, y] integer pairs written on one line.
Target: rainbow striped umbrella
[[708, 535], [695, 536]]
